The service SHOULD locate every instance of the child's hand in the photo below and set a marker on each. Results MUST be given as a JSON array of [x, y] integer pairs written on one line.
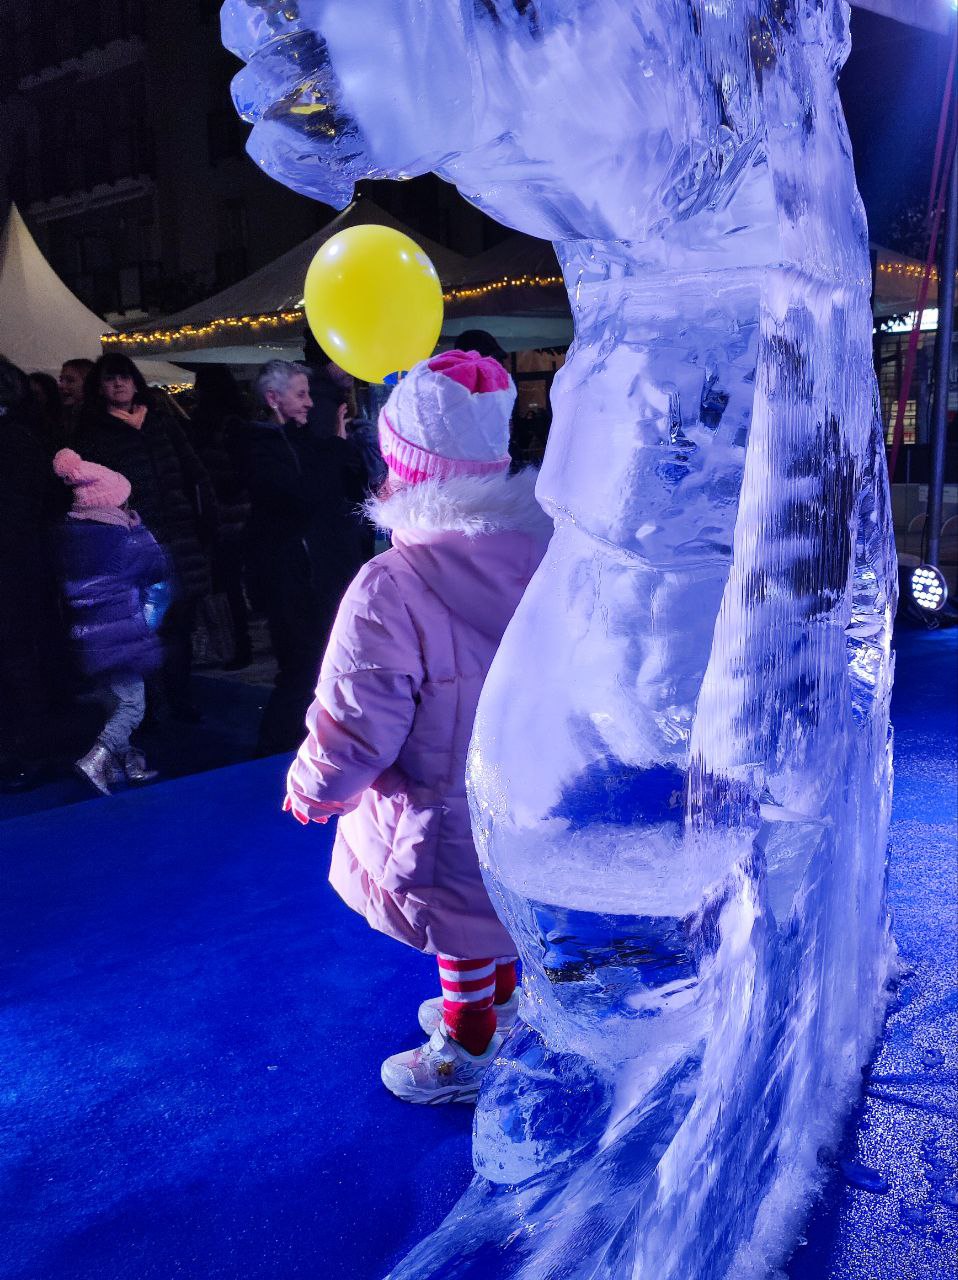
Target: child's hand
[[301, 815]]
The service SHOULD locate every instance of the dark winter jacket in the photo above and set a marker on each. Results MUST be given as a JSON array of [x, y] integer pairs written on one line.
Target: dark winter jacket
[[326, 396], [107, 567], [31, 634], [170, 488], [304, 493], [363, 434], [214, 441], [25, 485]]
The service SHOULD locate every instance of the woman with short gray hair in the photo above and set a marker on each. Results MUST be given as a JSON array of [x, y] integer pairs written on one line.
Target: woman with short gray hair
[[304, 540], [274, 381]]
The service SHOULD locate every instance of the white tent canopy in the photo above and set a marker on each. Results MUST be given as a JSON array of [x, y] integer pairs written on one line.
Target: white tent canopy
[[524, 305], [229, 327], [41, 322], [897, 279]]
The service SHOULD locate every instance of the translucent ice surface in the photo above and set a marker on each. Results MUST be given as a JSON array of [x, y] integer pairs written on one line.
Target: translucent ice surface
[[681, 769]]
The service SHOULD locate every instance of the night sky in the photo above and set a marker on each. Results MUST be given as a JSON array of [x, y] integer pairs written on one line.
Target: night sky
[[892, 88]]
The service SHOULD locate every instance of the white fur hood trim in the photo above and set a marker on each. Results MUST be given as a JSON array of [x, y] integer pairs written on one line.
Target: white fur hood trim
[[465, 504]]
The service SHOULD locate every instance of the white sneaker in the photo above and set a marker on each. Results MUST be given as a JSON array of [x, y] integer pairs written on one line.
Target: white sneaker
[[430, 1013], [438, 1071]]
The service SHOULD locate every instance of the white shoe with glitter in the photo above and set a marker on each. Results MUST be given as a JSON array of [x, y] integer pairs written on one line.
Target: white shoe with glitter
[[438, 1071], [507, 1013]]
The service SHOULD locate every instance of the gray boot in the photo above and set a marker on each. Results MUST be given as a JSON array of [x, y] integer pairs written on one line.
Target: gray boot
[[134, 766], [98, 767]]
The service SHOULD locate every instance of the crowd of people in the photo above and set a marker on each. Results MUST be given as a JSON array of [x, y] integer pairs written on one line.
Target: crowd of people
[[121, 512], [246, 498]]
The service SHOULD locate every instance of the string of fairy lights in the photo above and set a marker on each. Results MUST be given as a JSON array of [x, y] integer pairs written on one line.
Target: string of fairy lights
[[911, 270], [222, 326], [270, 321]]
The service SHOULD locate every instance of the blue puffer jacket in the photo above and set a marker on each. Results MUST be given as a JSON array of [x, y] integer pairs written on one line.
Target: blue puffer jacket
[[107, 569]]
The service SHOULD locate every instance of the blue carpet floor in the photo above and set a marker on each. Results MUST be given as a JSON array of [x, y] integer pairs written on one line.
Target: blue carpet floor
[[191, 1027], [231, 711], [890, 1211]]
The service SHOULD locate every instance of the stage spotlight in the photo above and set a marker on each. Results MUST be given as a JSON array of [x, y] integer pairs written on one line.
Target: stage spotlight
[[928, 588]]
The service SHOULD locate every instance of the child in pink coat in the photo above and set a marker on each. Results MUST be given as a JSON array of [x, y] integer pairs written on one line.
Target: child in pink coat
[[390, 724]]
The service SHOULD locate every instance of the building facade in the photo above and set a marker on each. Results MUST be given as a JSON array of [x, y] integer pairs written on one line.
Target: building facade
[[120, 145]]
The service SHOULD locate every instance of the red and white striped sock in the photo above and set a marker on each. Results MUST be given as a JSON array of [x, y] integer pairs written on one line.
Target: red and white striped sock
[[506, 978], [468, 987]]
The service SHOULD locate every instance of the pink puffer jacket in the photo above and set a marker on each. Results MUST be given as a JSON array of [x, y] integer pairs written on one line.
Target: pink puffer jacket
[[389, 728]]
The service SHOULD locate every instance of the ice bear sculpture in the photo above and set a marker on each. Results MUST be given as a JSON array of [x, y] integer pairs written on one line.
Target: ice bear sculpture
[[681, 769]]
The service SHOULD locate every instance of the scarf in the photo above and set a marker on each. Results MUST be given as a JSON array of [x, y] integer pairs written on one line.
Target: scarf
[[134, 418]]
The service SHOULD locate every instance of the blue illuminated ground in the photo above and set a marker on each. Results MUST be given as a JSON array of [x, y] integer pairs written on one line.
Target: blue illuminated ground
[[906, 1135], [191, 1029]]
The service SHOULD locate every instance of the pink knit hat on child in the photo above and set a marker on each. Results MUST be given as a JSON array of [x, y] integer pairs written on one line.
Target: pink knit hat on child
[[93, 486], [449, 416]]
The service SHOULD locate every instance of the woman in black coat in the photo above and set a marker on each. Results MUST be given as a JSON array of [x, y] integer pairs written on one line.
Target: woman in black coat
[[216, 425], [31, 662], [171, 490], [305, 540]]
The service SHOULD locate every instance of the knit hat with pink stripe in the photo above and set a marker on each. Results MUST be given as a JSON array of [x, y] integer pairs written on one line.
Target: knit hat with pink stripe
[[449, 416]]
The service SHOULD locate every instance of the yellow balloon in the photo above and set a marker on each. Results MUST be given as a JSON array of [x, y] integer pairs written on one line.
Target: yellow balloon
[[373, 301]]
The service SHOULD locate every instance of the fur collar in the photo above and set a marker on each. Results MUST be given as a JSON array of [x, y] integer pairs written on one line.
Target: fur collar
[[465, 504], [106, 515]]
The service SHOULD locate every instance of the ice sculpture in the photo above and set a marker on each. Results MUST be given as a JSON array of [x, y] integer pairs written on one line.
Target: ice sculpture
[[681, 769]]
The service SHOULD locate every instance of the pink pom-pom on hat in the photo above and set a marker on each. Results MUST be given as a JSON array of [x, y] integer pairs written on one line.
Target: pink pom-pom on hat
[[449, 416], [471, 370], [93, 486]]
